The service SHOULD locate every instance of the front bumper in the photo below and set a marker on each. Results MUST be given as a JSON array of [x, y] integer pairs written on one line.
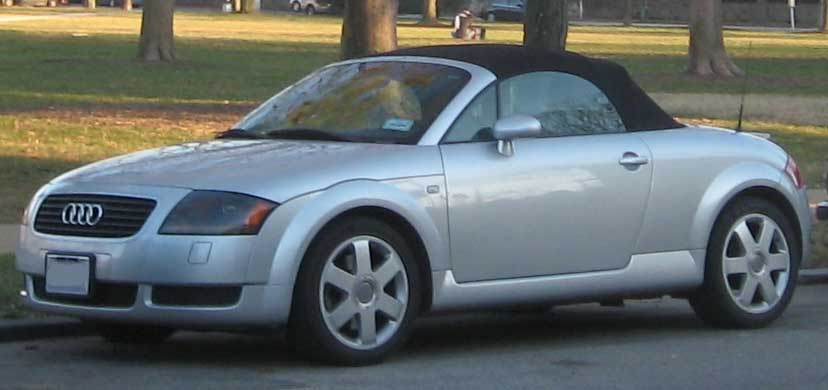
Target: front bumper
[[147, 263], [258, 306]]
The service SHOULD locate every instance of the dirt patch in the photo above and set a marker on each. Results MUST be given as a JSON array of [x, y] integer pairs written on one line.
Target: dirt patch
[[783, 82], [797, 110], [198, 118]]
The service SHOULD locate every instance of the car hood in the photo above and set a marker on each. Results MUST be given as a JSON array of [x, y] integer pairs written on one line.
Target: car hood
[[271, 169]]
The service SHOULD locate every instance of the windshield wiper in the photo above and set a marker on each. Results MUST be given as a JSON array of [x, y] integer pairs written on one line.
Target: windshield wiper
[[305, 134], [292, 134], [239, 134]]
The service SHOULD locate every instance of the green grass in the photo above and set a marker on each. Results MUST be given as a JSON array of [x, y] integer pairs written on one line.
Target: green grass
[[11, 282], [242, 59]]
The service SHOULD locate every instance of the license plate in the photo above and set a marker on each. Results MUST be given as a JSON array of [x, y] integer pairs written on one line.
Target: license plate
[[68, 274]]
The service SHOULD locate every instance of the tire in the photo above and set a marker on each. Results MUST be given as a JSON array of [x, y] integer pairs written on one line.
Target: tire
[[310, 10], [734, 269], [390, 285], [133, 334], [491, 17], [296, 6]]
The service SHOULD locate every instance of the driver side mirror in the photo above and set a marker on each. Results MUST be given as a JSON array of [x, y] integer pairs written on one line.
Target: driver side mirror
[[514, 127]]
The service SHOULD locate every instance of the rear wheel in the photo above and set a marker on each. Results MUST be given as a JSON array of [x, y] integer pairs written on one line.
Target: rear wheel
[[356, 295], [751, 268], [491, 17], [133, 334]]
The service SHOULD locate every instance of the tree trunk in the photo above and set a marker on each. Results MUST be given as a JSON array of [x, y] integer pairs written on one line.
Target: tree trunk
[[237, 5], [89, 4], [156, 42], [429, 13], [127, 5], [762, 7], [248, 6], [369, 27], [546, 25], [628, 13], [707, 50], [824, 27]]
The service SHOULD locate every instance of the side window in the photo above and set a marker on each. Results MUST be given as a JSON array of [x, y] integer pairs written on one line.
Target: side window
[[565, 104], [477, 120]]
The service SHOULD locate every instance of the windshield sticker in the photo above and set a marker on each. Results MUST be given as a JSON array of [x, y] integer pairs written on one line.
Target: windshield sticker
[[398, 124]]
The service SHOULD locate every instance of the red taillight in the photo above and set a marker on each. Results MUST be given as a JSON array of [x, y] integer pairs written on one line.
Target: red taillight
[[793, 172]]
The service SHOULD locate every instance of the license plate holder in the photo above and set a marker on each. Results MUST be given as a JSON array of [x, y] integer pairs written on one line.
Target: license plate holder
[[69, 275]]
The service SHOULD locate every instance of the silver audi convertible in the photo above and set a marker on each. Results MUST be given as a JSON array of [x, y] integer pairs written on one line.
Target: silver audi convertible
[[423, 180]]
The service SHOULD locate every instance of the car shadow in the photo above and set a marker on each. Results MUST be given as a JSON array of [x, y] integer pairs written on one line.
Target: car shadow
[[435, 337]]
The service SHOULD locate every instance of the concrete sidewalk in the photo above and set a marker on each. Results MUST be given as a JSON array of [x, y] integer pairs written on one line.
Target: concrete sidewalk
[[23, 18], [8, 238]]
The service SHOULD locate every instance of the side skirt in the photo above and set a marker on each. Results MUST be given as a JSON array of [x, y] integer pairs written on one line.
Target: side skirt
[[649, 274]]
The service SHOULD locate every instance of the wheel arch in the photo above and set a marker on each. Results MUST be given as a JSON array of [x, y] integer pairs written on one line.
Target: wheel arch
[[743, 180], [363, 197]]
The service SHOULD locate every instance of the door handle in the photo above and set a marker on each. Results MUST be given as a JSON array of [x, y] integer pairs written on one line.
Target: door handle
[[631, 160]]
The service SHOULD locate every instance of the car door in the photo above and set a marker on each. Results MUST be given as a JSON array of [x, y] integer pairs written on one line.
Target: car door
[[571, 201]]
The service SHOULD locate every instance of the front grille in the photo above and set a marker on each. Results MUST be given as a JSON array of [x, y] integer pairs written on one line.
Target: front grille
[[103, 295], [196, 296], [122, 216]]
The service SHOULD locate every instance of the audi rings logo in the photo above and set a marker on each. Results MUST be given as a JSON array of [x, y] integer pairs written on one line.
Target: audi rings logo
[[82, 214]]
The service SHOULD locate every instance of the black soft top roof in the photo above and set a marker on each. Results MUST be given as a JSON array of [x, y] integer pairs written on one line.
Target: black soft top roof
[[638, 111]]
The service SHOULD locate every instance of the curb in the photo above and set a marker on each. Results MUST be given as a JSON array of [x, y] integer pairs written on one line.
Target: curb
[[813, 276], [42, 328]]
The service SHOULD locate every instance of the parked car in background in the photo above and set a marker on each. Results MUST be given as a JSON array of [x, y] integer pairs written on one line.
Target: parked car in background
[[115, 3], [311, 7], [509, 10], [432, 179]]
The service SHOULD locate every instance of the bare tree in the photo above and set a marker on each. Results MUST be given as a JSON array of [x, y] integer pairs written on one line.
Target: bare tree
[[824, 27], [156, 43], [127, 5], [247, 6], [707, 49], [628, 13], [429, 13], [546, 25], [369, 27]]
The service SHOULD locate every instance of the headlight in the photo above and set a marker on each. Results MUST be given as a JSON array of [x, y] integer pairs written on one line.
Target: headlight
[[212, 213]]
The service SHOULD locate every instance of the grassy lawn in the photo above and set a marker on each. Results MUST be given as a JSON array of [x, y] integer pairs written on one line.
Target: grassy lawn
[[11, 282], [243, 59]]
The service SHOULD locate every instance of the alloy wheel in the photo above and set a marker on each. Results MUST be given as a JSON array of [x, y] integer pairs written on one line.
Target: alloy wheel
[[363, 292], [757, 263]]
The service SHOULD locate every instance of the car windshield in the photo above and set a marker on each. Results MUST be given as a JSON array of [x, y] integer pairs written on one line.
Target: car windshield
[[376, 102]]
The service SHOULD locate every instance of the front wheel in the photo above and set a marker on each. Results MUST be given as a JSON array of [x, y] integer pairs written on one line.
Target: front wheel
[[356, 295], [491, 17], [752, 265], [296, 6], [310, 10]]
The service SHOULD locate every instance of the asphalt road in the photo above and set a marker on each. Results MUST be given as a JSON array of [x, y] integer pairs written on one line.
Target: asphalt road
[[653, 344]]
